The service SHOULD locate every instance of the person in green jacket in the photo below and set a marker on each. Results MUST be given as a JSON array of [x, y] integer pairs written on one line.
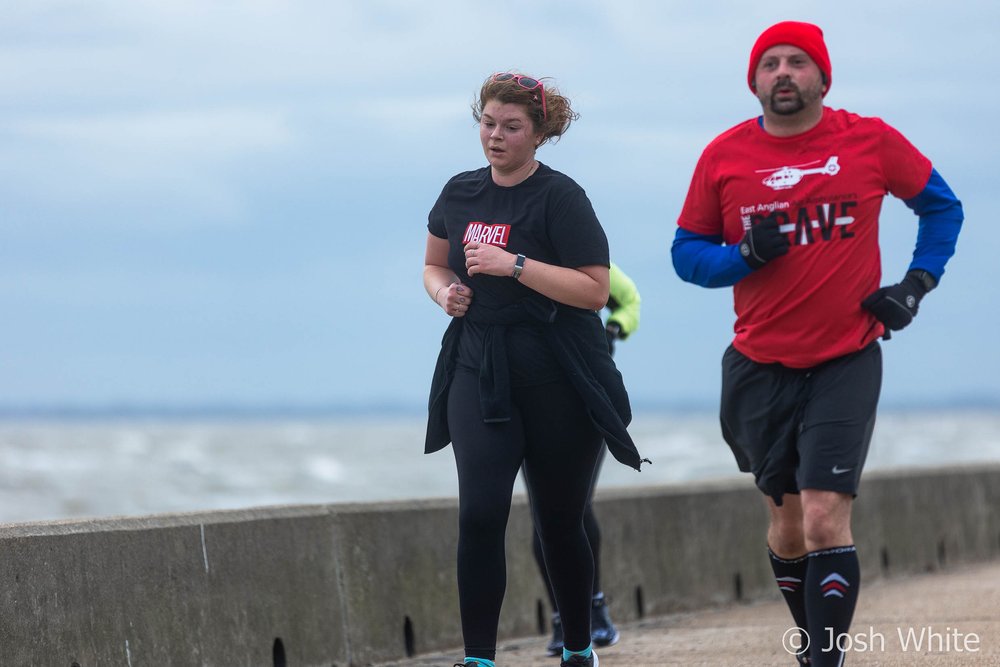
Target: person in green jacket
[[623, 320], [623, 302]]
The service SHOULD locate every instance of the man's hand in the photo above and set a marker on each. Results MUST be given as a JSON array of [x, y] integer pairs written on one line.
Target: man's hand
[[762, 243], [613, 331], [895, 306]]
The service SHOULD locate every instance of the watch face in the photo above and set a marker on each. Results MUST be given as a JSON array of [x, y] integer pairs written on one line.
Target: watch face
[[518, 266], [927, 280]]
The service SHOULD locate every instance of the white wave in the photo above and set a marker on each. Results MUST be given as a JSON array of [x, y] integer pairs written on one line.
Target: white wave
[[71, 469]]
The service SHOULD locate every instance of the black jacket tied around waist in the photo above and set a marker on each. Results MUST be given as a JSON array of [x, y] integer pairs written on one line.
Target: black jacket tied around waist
[[578, 342]]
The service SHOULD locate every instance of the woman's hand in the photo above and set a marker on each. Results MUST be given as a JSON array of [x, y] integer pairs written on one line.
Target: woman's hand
[[441, 283], [583, 287], [488, 259], [455, 299]]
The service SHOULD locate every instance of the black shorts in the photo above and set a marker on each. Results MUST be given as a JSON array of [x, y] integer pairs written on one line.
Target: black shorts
[[801, 428]]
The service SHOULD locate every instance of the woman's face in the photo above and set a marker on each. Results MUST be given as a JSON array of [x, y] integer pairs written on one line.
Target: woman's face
[[508, 136]]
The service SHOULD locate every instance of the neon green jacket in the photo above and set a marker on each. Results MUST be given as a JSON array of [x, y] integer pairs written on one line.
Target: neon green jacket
[[623, 301]]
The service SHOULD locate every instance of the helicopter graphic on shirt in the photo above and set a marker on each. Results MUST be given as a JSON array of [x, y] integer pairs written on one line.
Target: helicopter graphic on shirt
[[784, 178]]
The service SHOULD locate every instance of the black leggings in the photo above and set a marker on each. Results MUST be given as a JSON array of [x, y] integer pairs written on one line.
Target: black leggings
[[550, 433], [593, 530]]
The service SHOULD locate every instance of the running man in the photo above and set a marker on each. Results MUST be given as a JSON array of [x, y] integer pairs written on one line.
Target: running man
[[785, 208]]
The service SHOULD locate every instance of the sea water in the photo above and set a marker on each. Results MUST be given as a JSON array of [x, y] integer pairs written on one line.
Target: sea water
[[73, 468]]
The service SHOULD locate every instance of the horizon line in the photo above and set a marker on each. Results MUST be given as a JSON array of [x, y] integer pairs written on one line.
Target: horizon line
[[276, 409]]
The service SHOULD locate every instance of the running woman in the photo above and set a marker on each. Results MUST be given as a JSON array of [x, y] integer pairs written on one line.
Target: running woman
[[516, 256], [785, 208]]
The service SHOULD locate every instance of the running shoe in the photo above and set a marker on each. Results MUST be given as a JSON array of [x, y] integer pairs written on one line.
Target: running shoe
[[555, 646], [602, 631], [580, 661]]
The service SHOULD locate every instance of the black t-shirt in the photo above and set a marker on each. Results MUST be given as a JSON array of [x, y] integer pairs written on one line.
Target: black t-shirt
[[547, 217]]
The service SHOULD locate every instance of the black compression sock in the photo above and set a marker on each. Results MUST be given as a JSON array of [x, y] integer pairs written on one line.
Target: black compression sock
[[790, 575], [831, 593]]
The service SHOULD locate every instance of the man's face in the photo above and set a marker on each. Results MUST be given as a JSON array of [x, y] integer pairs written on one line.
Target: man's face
[[788, 81]]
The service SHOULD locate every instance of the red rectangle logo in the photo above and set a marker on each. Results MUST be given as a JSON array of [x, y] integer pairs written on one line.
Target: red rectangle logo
[[496, 234]]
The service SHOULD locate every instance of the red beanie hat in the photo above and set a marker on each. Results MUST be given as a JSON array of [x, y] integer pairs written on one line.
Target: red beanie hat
[[805, 36]]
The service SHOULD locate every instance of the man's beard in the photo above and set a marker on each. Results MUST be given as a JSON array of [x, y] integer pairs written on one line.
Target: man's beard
[[795, 104], [787, 107]]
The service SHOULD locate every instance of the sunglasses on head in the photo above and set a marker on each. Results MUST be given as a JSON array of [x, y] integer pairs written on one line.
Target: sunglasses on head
[[525, 82]]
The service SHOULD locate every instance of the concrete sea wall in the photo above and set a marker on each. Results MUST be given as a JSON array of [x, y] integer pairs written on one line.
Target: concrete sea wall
[[350, 585]]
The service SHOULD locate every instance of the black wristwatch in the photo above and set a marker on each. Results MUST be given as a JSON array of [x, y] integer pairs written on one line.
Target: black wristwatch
[[926, 279], [518, 267]]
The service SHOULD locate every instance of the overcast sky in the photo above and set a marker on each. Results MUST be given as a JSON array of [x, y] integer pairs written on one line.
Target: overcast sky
[[225, 202]]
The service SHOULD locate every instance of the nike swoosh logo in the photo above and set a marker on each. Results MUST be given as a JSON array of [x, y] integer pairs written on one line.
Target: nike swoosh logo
[[840, 471]]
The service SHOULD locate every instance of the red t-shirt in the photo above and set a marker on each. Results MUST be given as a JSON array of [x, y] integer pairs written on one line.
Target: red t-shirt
[[825, 188]]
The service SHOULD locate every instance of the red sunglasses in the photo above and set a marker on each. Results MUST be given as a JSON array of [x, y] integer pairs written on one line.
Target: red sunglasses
[[525, 82]]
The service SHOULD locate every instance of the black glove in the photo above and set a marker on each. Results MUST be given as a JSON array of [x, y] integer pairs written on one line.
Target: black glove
[[613, 331], [762, 243], [895, 306]]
